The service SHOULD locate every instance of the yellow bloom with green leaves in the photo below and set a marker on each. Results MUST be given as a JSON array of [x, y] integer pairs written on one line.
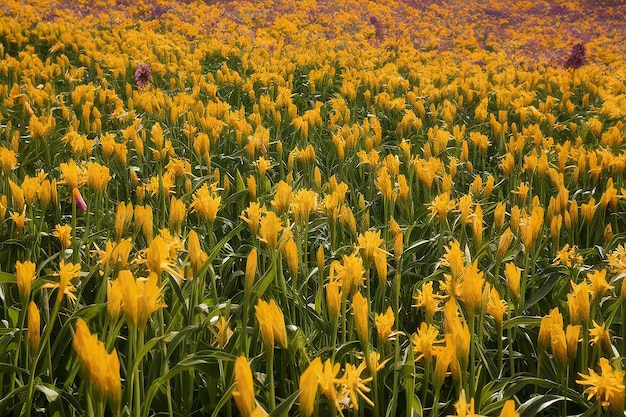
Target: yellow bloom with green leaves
[[607, 387], [25, 274], [102, 369], [140, 297], [67, 273], [244, 393], [271, 323], [205, 204], [384, 324], [309, 383], [64, 234], [34, 326], [360, 309]]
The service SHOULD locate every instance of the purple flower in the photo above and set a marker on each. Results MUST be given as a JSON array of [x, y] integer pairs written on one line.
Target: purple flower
[[378, 25], [576, 58], [143, 76]]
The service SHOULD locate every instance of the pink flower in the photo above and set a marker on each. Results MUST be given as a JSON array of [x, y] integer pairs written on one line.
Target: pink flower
[[78, 199], [143, 76]]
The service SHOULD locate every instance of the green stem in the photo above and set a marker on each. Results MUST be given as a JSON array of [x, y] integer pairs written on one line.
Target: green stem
[[28, 404], [499, 336], [511, 358], [90, 411], [74, 241], [565, 385], [472, 358], [270, 379], [426, 380], [396, 372]]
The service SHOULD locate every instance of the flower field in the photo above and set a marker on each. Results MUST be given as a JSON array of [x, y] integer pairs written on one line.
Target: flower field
[[312, 208]]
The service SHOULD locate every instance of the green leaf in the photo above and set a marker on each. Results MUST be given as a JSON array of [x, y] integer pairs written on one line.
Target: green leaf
[[283, 409], [225, 398], [536, 405], [7, 278], [189, 363]]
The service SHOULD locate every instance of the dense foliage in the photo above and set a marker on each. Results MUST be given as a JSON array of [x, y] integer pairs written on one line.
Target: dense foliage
[[312, 208]]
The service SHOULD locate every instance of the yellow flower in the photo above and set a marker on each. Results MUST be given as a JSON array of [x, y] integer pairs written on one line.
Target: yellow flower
[[282, 197], [350, 272], [8, 160], [465, 208], [72, 174], [504, 243], [123, 217], [441, 206], [204, 204], [328, 381], [17, 194], [115, 254], [253, 215], [599, 335], [568, 257], [272, 324], [34, 326], [571, 337], [251, 265], [445, 356], [25, 274], [552, 320], [522, 191], [498, 215], [496, 307], [371, 246], [101, 368], [244, 394], [262, 165], [598, 284], [578, 302], [158, 256], [98, 176], [309, 382], [352, 385], [303, 204], [425, 341], [509, 409], [333, 299], [143, 221], [617, 259], [67, 272], [115, 299], [19, 219], [360, 309], [140, 297], [64, 234], [222, 331], [458, 331], [513, 276], [558, 343], [270, 229], [384, 324], [383, 183], [463, 409], [472, 288], [197, 256], [178, 211], [426, 298], [607, 387], [290, 252], [454, 258]]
